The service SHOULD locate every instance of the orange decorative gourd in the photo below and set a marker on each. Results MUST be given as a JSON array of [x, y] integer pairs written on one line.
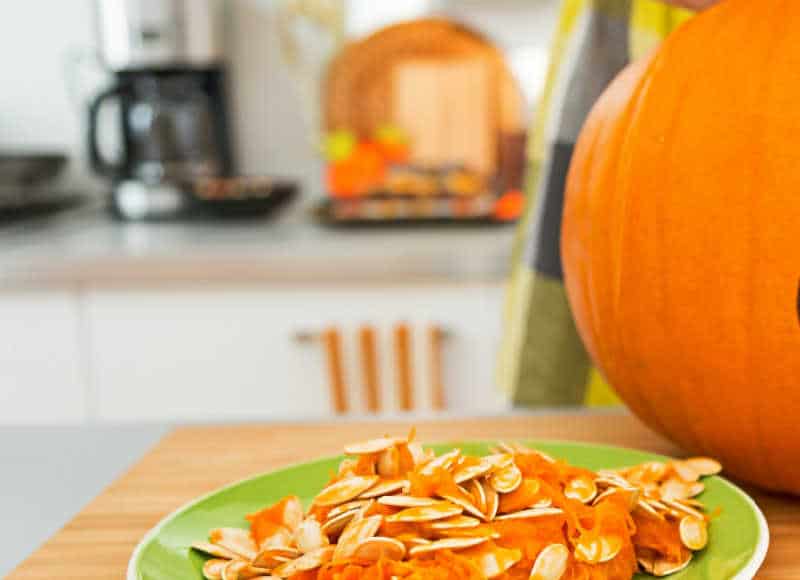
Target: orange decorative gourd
[[681, 238]]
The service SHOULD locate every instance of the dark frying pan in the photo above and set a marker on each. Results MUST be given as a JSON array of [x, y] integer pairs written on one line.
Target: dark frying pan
[[29, 170]]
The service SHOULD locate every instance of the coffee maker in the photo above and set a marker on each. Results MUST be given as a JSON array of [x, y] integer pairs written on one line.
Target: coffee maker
[[167, 60]]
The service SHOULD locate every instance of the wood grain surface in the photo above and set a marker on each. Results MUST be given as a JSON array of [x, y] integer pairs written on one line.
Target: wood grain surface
[[191, 461]]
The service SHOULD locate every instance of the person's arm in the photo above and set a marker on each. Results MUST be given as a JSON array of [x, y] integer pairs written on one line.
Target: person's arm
[[693, 4]]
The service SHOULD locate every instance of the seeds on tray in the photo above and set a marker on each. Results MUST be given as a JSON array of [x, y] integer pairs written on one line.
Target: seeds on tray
[[396, 510]]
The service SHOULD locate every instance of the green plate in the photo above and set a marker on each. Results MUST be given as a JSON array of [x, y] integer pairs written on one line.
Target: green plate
[[737, 547]]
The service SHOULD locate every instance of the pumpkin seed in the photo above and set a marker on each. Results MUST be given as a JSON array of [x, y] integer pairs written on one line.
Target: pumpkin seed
[[685, 471], [531, 513], [372, 446], [234, 540], [694, 532], [336, 524], [646, 562], [309, 536], [442, 462], [418, 454], [705, 466], [674, 489], [292, 513], [347, 467], [598, 550], [612, 480], [648, 509], [384, 487], [464, 500], [272, 557], [378, 547], [495, 561], [446, 544], [507, 479], [215, 550], [306, 562], [238, 570], [551, 563], [610, 546], [407, 501], [212, 569], [388, 464], [499, 461], [346, 507], [438, 511], [280, 537], [492, 500], [692, 502], [470, 472], [683, 509], [696, 489], [608, 492], [345, 489], [582, 489], [410, 540], [455, 523], [475, 488], [664, 567], [231, 570], [354, 534]]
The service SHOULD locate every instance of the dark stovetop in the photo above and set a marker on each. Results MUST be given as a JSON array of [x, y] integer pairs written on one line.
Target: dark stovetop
[[17, 206]]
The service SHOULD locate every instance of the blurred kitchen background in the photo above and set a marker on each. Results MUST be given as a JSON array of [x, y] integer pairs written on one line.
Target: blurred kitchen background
[[278, 209]]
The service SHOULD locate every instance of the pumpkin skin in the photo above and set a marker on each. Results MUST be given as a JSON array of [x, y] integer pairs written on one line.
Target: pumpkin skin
[[681, 238]]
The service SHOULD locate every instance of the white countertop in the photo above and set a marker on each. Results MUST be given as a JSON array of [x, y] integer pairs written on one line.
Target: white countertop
[[85, 247]]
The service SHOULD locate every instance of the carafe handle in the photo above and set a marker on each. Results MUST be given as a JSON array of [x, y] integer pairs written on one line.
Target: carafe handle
[[100, 164]]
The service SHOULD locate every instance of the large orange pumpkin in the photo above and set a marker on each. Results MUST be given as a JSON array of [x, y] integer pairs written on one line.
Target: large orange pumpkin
[[681, 238]]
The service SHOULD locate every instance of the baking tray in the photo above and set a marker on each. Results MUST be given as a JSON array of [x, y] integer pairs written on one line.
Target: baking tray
[[325, 213]]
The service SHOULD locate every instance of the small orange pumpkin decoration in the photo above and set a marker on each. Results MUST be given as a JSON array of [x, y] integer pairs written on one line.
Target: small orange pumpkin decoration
[[681, 238]]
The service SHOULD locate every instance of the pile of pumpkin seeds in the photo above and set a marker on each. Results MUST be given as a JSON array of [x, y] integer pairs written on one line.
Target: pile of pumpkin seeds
[[453, 521]]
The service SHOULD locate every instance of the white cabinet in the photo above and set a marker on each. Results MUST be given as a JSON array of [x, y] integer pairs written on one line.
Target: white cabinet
[[222, 354], [41, 360]]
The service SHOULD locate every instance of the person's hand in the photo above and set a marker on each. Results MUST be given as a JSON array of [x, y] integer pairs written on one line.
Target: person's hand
[[693, 4]]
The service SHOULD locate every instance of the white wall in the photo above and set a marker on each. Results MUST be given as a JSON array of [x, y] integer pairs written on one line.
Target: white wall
[[39, 38]]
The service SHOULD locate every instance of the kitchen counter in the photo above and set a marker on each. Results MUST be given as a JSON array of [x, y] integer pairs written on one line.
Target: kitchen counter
[[85, 247]]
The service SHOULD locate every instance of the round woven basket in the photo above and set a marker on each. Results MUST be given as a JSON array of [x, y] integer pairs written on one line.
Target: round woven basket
[[357, 91]]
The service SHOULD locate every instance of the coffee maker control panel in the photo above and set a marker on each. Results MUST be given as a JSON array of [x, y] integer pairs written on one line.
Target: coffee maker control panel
[[148, 34]]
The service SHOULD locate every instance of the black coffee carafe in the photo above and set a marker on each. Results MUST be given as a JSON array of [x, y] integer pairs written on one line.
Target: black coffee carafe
[[170, 86]]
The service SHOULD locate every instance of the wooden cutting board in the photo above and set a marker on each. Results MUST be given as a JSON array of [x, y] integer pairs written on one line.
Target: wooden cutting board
[[445, 107], [447, 86]]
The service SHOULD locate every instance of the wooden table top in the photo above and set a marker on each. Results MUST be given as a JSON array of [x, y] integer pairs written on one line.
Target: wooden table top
[[192, 461]]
